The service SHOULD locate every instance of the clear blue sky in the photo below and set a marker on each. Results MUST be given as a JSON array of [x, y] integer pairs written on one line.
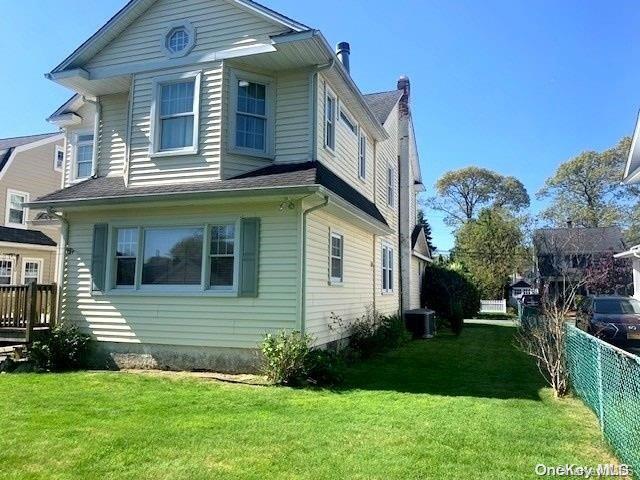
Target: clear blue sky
[[515, 86]]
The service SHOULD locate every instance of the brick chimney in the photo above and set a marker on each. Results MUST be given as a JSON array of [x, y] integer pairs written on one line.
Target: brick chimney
[[405, 85]]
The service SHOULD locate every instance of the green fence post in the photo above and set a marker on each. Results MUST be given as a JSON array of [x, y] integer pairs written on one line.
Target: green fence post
[[600, 390]]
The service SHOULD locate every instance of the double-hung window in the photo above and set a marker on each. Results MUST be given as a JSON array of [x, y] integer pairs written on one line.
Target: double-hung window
[[58, 158], [84, 156], [387, 269], [126, 255], [362, 156], [16, 212], [330, 121], [390, 187], [336, 257], [222, 253], [251, 116], [32, 270], [176, 114], [6, 271]]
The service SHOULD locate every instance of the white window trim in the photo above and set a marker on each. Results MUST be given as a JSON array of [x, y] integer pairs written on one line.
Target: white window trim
[[24, 268], [328, 93], [203, 289], [344, 112], [362, 156], [154, 130], [390, 267], [391, 186], [76, 144], [336, 280], [25, 210], [57, 150], [12, 277], [269, 142], [191, 31]]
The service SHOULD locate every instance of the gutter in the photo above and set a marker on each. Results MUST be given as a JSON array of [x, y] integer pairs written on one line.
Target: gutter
[[96, 133], [303, 258]]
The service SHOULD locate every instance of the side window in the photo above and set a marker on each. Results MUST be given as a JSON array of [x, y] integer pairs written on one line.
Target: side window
[[330, 121], [58, 158], [362, 156], [83, 156], [16, 213], [390, 187], [6, 271], [387, 269], [336, 258], [251, 116]]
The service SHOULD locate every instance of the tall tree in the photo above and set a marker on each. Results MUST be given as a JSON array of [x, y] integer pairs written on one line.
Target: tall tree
[[462, 193], [490, 248], [586, 189], [422, 220]]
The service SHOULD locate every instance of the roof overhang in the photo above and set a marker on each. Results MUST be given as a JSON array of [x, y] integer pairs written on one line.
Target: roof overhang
[[633, 252], [632, 168], [421, 257]]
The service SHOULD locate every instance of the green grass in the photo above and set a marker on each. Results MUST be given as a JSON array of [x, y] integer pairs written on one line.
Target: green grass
[[467, 407]]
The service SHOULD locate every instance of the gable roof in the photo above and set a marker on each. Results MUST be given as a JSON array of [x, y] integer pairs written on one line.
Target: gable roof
[[8, 145], [578, 240], [132, 10], [288, 175], [382, 103], [21, 235], [632, 168], [419, 242]]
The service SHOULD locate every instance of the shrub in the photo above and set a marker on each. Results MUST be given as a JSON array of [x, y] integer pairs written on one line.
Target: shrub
[[64, 349], [326, 367], [451, 294], [373, 333], [286, 357]]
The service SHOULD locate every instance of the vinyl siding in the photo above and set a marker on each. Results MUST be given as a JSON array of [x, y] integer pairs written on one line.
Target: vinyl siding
[[417, 266], [145, 170], [19, 255], [344, 159], [354, 296], [219, 24], [387, 303], [188, 320], [113, 128]]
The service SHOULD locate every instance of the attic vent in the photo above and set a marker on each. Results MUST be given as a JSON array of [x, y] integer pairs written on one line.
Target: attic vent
[[179, 39]]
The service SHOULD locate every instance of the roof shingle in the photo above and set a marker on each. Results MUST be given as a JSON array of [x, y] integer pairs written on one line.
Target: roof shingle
[[382, 103], [21, 235], [578, 240]]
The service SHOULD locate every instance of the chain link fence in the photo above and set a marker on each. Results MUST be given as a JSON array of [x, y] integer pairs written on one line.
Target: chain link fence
[[608, 381]]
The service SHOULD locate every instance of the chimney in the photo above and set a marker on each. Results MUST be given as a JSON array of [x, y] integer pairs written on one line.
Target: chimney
[[405, 85], [569, 223], [343, 50]]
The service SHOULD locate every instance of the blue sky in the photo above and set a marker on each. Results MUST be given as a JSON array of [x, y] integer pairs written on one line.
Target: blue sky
[[515, 86]]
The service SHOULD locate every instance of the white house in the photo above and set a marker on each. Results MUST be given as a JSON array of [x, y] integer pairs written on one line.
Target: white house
[[225, 177]]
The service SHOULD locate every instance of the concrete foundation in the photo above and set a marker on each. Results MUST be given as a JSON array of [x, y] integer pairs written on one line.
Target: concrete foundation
[[116, 356]]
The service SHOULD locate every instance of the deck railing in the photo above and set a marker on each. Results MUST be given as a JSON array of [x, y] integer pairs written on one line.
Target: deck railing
[[27, 307]]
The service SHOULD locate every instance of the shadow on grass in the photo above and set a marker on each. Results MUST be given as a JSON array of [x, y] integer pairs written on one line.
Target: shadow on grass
[[481, 362]]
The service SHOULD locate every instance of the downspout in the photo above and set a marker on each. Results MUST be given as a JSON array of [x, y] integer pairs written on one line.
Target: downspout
[[61, 257], [96, 134], [303, 258], [314, 107]]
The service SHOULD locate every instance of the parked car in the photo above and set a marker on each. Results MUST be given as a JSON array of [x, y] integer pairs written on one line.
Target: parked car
[[531, 300], [615, 319]]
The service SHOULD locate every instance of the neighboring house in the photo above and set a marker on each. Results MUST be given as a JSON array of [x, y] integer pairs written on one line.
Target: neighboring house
[[30, 167], [563, 255], [518, 289], [632, 177], [420, 257], [225, 177]]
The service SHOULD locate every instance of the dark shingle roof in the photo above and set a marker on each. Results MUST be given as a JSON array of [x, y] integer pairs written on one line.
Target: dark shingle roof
[[578, 240], [304, 174], [415, 235], [8, 144], [20, 235], [521, 284], [382, 103]]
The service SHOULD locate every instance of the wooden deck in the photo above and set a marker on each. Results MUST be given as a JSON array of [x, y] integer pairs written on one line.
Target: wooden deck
[[26, 310]]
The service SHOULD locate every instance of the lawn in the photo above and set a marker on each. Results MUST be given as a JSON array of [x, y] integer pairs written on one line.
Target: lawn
[[467, 407]]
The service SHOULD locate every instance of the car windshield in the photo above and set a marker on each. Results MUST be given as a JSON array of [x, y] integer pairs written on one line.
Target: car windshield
[[613, 306]]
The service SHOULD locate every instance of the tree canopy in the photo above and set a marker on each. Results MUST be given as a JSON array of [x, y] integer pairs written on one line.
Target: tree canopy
[[461, 194], [586, 189], [490, 248], [422, 220]]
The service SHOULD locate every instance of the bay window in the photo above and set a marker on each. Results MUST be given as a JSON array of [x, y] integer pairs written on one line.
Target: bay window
[[126, 255]]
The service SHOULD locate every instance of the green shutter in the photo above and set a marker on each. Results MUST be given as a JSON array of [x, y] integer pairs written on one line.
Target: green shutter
[[99, 257], [249, 250]]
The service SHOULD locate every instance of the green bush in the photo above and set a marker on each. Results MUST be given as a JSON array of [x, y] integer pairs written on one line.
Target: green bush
[[373, 333], [286, 357], [326, 367], [64, 349], [451, 294]]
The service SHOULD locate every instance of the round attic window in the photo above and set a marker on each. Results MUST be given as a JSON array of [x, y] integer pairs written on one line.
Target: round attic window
[[179, 40]]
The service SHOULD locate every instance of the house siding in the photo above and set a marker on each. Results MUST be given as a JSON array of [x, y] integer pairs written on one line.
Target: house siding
[[174, 319], [112, 136], [354, 296], [19, 254], [417, 267], [219, 24]]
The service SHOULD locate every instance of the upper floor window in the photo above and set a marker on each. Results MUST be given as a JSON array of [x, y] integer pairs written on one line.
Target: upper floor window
[[58, 158], [390, 187], [330, 121], [84, 156], [179, 39], [362, 156], [344, 116], [175, 115], [251, 116], [387, 269], [336, 257], [16, 212]]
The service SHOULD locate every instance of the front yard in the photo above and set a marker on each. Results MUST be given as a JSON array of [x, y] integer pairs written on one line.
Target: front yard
[[468, 407]]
